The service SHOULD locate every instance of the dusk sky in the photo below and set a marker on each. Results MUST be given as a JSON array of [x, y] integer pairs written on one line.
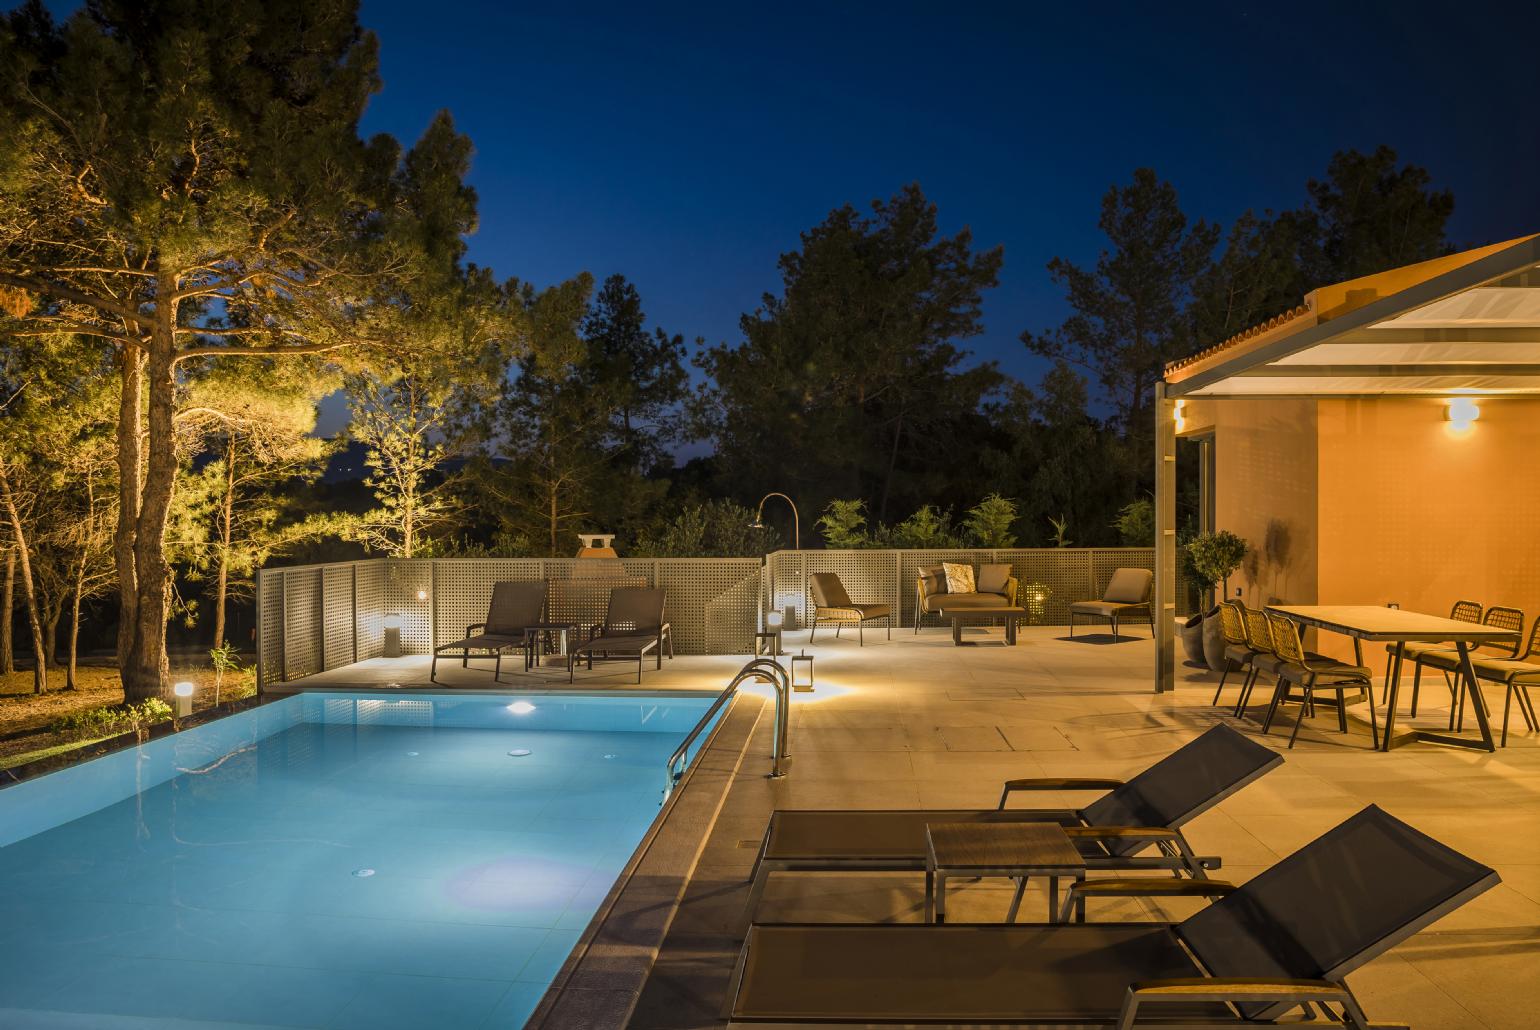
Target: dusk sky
[[686, 147]]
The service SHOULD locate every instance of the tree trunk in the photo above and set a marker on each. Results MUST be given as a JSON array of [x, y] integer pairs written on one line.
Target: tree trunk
[[24, 559], [8, 612], [51, 633], [146, 669], [130, 418], [887, 481], [74, 633], [226, 521]]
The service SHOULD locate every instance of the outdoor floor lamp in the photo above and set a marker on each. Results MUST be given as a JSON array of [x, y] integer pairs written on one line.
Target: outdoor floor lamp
[[796, 522]]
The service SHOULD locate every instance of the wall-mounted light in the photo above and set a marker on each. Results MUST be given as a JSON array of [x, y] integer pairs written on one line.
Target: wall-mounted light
[[1178, 414], [422, 595], [802, 673], [1461, 413], [184, 696]]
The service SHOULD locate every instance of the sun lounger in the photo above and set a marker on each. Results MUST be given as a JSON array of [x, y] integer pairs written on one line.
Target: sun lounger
[[514, 607], [1286, 938], [1140, 820]]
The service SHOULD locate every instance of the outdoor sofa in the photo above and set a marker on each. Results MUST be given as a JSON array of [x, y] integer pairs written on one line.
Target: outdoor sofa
[[1283, 940], [994, 587], [1117, 831]]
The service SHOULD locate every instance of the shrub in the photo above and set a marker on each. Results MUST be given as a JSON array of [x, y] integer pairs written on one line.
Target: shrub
[[843, 524], [1136, 523], [989, 522], [1214, 557], [716, 529], [928, 528], [110, 720]]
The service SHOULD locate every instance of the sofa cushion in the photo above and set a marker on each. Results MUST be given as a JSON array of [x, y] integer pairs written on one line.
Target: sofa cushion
[[973, 600], [959, 578], [991, 579], [933, 578]]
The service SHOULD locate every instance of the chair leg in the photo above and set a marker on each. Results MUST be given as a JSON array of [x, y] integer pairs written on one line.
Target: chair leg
[[1416, 687], [1072, 625], [1526, 706], [1246, 687], [433, 669], [1385, 686], [497, 665], [814, 629], [890, 625], [1507, 701], [1279, 691], [1309, 700], [1222, 677], [1115, 635], [861, 632], [1374, 723], [1341, 712]]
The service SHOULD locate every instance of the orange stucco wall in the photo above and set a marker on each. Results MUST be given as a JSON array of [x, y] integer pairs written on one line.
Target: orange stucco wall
[[1372, 501]]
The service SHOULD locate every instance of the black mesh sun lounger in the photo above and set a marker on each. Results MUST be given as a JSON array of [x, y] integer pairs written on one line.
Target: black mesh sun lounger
[[1284, 939], [514, 606], [1176, 789]]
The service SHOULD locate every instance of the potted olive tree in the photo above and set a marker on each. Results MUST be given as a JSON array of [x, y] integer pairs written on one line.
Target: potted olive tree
[[1212, 558]]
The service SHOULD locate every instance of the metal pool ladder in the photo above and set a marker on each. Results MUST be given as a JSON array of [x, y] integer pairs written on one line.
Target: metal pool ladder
[[763, 669]]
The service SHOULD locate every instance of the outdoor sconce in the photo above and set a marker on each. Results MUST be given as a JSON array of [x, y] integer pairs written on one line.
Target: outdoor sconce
[[392, 647], [802, 673], [184, 696], [1177, 415], [422, 595], [1461, 412]]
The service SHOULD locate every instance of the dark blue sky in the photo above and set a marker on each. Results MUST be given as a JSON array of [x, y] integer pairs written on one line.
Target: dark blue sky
[[686, 146]]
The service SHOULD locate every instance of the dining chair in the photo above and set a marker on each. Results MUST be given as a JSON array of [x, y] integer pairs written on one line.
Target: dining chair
[[1310, 671]]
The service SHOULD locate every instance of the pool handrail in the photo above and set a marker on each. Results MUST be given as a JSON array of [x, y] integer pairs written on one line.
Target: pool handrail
[[761, 669]]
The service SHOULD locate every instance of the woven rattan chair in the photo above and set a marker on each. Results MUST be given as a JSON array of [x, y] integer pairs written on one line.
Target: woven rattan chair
[[832, 604], [1310, 671], [1289, 936], [1461, 611], [1238, 656], [1516, 675], [1448, 661], [633, 627], [1264, 657], [513, 608]]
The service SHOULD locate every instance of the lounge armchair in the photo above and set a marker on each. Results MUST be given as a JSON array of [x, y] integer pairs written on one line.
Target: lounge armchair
[[994, 587], [633, 627], [514, 607], [832, 604], [1114, 832], [1284, 939], [1127, 592]]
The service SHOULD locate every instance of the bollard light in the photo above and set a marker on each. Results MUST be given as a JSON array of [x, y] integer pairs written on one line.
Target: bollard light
[[392, 643], [184, 696]]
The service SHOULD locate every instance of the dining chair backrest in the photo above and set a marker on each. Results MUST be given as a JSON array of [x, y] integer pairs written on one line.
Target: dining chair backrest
[[1259, 636], [1533, 650], [1285, 638], [1499, 617], [1466, 611], [1232, 622]]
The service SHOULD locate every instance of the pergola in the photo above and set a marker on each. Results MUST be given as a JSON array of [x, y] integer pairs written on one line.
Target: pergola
[[1465, 325]]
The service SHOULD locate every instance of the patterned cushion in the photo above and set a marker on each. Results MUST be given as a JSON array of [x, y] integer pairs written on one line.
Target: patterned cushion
[[959, 578]]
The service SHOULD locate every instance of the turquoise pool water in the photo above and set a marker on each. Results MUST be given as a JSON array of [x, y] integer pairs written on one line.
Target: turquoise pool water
[[333, 861]]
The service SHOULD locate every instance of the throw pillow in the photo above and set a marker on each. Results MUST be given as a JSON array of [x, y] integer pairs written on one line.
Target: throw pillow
[[959, 578], [992, 578]]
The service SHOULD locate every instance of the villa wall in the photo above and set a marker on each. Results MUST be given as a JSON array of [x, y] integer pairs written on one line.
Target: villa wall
[[1378, 500]]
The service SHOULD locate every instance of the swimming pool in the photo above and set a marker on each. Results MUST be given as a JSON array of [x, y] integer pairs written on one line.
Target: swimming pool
[[336, 861]]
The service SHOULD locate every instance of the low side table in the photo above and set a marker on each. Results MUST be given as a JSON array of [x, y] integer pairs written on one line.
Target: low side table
[[1010, 613], [566, 633], [1016, 850]]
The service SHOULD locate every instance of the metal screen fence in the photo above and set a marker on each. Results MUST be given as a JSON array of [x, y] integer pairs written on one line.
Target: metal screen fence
[[317, 617]]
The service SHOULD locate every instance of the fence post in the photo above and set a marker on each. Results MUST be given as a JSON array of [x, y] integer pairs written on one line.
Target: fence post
[[353, 607], [261, 576], [283, 626]]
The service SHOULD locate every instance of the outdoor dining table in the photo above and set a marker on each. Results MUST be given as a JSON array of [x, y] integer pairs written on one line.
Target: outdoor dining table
[[1393, 625]]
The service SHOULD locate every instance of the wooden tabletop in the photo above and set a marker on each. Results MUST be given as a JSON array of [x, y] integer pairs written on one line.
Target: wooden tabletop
[[1376, 622], [1001, 845], [974, 609]]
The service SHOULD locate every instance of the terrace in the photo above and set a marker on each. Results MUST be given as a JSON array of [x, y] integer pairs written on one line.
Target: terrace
[[919, 723]]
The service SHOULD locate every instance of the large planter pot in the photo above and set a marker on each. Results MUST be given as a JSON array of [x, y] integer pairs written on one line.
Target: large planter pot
[[1191, 635], [1214, 641]]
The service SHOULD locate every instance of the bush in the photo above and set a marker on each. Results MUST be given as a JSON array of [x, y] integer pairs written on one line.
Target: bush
[[111, 720], [1214, 557], [926, 529], [989, 522], [1136, 523], [843, 524], [716, 529]]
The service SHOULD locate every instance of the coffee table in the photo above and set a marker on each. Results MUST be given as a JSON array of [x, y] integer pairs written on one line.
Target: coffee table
[[1009, 612], [1016, 850]]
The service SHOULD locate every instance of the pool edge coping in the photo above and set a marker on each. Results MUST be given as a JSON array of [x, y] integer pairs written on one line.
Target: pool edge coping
[[601, 980]]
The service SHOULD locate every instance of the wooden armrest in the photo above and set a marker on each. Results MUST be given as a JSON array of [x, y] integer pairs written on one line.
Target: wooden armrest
[[1056, 783], [1120, 833], [1152, 887], [1238, 988], [473, 627]]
